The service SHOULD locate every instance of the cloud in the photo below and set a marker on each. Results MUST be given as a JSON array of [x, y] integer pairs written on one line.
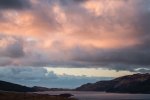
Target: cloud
[[77, 33], [11, 46], [28, 76], [14, 4], [4, 61], [130, 56]]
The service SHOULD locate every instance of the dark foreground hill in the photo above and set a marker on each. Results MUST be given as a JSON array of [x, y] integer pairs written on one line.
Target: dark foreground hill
[[137, 83], [7, 86]]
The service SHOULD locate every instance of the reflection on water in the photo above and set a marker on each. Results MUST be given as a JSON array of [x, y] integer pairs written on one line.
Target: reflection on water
[[101, 95]]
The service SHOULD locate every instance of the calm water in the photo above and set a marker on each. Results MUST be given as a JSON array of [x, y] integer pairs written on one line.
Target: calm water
[[101, 95]]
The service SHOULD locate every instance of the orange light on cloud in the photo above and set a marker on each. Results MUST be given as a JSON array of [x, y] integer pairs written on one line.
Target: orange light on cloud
[[56, 29]]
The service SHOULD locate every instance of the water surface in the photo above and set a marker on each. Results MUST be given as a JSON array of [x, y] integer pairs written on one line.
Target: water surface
[[80, 95]]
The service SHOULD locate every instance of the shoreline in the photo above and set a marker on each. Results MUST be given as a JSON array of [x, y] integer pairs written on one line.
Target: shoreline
[[31, 96]]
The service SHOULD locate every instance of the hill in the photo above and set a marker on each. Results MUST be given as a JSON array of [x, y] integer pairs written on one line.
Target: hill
[[7, 86], [136, 83]]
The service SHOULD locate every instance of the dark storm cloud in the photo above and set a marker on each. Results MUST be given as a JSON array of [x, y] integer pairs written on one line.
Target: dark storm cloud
[[66, 2], [119, 59], [11, 47], [15, 50], [14, 4]]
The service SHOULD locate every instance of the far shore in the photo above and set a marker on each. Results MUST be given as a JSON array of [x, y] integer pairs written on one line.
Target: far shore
[[33, 96]]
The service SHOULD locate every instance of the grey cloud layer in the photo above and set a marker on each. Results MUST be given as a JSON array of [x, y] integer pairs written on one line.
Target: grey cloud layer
[[32, 76], [14, 4]]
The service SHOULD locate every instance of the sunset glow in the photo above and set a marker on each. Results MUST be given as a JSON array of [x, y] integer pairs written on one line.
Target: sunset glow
[[104, 38]]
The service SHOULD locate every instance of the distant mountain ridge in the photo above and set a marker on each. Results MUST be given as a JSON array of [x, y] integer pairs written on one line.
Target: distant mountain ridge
[[136, 83], [38, 88], [7, 86]]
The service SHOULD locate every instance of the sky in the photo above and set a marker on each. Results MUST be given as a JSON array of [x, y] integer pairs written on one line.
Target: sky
[[55, 42]]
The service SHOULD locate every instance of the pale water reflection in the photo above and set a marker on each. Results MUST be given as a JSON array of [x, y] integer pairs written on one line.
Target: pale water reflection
[[101, 95]]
